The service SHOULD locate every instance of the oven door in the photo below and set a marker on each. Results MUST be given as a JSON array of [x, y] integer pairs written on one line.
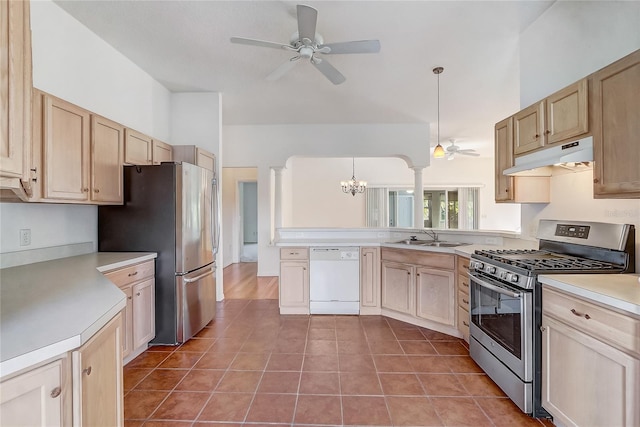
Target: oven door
[[501, 320]]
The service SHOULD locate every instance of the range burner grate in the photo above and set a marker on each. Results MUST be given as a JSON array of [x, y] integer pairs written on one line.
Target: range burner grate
[[541, 260]]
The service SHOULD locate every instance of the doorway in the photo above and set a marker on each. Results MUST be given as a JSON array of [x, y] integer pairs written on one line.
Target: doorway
[[248, 209]]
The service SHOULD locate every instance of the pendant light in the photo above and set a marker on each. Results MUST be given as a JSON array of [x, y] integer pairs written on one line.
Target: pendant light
[[352, 186], [438, 152]]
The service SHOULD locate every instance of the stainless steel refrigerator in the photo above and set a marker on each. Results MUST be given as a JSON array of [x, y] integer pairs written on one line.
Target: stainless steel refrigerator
[[170, 209]]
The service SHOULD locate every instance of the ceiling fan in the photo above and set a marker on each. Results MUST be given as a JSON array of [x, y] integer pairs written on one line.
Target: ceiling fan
[[454, 149], [308, 44]]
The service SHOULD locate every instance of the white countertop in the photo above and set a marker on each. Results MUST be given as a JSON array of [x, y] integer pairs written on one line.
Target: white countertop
[[621, 291], [49, 308]]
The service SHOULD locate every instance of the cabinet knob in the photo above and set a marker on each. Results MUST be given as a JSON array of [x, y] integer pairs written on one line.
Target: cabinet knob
[[129, 298], [547, 132], [542, 329], [56, 392], [85, 190], [464, 322], [577, 313], [132, 274], [138, 294], [596, 180], [95, 190], [506, 190], [536, 136], [87, 371], [465, 301]]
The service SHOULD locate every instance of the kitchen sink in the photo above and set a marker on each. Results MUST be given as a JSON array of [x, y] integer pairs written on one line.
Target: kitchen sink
[[436, 243]]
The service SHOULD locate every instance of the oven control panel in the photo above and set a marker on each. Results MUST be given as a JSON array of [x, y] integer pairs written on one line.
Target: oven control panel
[[501, 274], [576, 231]]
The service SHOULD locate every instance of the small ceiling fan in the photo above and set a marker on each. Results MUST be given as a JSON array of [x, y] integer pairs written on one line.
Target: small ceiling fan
[[454, 149], [308, 44]]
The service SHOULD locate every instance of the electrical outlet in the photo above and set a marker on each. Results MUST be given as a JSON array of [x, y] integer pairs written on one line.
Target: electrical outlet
[[380, 234], [491, 240], [25, 237]]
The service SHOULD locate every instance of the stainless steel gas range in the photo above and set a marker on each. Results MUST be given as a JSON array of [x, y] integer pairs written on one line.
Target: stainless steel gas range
[[506, 298]]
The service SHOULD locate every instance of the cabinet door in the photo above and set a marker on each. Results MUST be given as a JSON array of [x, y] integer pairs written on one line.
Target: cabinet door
[[15, 89], [398, 287], [33, 398], [503, 159], [66, 150], [528, 127], [144, 319], [107, 146], [161, 152], [567, 113], [370, 277], [616, 126], [205, 159], [97, 378], [137, 148], [574, 392], [294, 284], [127, 322], [436, 295]]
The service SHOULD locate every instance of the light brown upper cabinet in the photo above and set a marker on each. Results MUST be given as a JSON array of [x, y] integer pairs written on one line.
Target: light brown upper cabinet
[[504, 159], [556, 118], [107, 147], [137, 148], [15, 97], [65, 155], [194, 155], [518, 189], [161, 152], [616, 129]]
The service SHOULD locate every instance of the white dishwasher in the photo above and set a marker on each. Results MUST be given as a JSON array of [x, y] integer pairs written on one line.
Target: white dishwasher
[[334, 280]]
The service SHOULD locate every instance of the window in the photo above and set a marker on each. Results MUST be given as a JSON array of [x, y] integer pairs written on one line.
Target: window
[[455, 208]]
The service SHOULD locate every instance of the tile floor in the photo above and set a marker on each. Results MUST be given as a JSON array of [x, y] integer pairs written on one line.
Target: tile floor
[[252, 366]]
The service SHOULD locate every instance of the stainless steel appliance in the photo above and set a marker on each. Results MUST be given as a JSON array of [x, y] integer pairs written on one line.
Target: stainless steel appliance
[[170, 209], [334, 280], [506, 299]]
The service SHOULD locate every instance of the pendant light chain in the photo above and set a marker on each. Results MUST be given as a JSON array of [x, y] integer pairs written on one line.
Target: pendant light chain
[[438, 152]]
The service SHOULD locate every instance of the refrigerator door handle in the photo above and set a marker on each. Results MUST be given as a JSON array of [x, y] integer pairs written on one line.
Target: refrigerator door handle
[[215, 225], [198, 277]]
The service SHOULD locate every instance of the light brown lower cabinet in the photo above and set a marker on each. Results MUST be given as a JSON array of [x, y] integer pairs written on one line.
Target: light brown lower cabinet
[[419, 287], [294, 281], [33, 398], [97, 378], [139, 327], [590, 363], [369, 280], [463, 296]]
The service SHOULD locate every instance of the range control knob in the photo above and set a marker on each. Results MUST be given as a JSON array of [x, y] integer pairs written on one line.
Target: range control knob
[[515, 278], [491, 270], [478, 265], [507, 276]]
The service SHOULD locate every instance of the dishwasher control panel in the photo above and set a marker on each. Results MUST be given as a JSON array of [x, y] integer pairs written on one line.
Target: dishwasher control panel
[[348, 254]]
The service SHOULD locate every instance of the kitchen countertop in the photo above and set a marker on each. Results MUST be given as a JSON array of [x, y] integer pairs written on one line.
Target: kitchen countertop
[[49, 308], [621, 291]]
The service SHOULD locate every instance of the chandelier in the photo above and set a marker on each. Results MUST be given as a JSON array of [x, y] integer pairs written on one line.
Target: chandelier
[[438, 152], [352, 186]]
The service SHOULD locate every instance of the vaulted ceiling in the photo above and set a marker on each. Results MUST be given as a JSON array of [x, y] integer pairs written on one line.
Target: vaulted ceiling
[[185, 46]]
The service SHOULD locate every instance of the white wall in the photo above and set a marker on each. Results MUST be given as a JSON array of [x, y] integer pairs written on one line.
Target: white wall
[[570, 41], [314, 184], [72, 63], [230, 210], [268, 146]]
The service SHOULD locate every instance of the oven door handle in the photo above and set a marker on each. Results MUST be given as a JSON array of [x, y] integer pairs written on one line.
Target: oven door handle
[[498, 289]]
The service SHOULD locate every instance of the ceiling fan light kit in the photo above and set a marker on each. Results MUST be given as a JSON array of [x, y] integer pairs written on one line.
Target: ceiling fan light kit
[[308, 44]]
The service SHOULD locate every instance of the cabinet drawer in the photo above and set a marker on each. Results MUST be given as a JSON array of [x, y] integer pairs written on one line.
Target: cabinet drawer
[[619, 330], [463, 322], [463, 283], [135, 273], [463, 265], [463, 300], [294, 253], [423, 258]]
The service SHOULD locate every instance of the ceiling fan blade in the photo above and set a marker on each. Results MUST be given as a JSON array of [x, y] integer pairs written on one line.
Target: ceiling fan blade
[[261, 43], [328, 70], [283, 69], [307, 19], [361, 46]]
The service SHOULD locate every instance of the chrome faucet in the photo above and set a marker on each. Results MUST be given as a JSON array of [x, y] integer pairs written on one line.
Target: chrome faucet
[[431, 234]]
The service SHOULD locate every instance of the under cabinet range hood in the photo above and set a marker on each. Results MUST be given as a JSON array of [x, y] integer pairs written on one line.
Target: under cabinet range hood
[[576, 152]]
